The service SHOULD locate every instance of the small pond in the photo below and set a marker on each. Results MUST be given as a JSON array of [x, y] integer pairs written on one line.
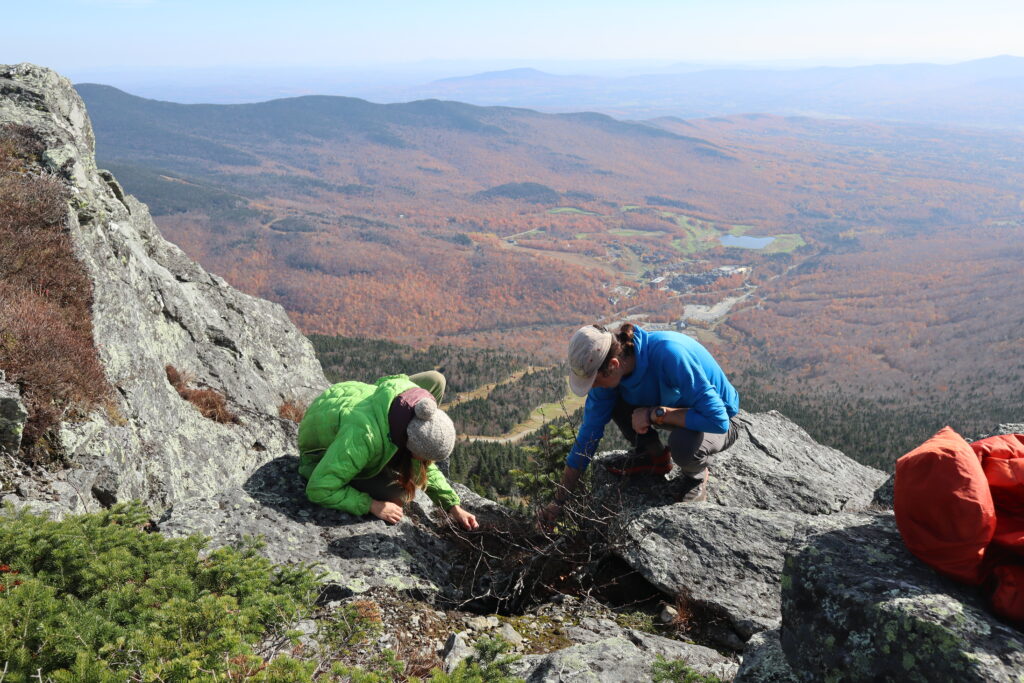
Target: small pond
[[746, 241]]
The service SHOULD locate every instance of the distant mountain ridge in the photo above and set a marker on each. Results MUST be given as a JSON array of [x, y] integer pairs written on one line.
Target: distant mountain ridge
[[318, 116], [987, 92], [981, 92]]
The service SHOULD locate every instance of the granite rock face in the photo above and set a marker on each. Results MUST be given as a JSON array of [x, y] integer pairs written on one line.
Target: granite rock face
[[629, 656], [154, 307], [773, 465], [726, 562], [764, 661], [857, 605], [12, 417], [355, 553], [767, 492]]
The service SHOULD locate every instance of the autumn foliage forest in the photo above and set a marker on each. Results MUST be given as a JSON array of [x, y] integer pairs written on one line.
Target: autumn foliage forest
[[887, 304]]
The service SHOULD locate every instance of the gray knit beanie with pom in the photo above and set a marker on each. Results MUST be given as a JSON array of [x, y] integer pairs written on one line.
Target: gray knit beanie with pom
[[431, 432]]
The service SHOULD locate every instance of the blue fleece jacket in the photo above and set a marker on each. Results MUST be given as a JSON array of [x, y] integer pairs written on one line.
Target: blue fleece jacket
[[672, 370]]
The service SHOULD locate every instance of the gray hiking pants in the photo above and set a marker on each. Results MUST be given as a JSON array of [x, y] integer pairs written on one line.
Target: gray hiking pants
[[691, 450]]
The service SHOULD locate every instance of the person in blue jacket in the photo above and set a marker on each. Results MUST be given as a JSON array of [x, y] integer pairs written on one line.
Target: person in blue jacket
[[648, 382]]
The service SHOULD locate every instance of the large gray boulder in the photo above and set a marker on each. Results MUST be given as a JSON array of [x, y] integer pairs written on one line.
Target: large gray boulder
[[776, 465], [773, 465], [153, 307], [856, 605], [724, 558], [726, 563], [354, 553]]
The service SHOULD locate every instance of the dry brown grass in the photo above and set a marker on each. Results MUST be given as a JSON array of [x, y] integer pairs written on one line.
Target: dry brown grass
[[212, 404], [46, 341], [683, 621], [292, 410]]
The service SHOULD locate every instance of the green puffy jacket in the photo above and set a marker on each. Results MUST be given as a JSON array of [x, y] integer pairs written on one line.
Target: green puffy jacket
[[344, 436]]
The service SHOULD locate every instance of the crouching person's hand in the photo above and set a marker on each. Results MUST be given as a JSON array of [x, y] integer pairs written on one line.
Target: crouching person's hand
[[386, 510], [548, 515], [465, 519]]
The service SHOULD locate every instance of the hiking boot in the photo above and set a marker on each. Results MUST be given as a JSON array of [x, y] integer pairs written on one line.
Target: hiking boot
[[694, 490], [641, 463]]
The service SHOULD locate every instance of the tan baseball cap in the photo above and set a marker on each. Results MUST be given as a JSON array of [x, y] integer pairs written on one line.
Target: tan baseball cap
[[587, 350]]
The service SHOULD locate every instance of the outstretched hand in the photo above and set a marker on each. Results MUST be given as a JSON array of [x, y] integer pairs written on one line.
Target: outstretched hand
[[465, 519], [386, 510], [548, 515]]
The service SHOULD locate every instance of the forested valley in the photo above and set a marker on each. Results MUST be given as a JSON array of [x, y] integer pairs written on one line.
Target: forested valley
[[863, 277]]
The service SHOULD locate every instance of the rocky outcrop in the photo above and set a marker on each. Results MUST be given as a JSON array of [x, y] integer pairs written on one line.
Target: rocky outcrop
[[627, 657], [764, 661], [772, 489], [354, 553], [726, 563], [857, 605], [776, 465], [601, 649], [153, 307], [797, 553]]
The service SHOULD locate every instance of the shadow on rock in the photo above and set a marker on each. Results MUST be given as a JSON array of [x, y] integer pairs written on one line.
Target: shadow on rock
[[278, 485], [357, 553]]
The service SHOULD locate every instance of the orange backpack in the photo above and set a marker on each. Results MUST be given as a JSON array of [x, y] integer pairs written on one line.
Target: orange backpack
[[960, 508], [943, 506], [1002, 459]]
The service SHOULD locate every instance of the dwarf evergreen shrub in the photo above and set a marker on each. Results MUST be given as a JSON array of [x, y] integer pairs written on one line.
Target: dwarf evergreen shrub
[[97, 598], [678, 671], [491, 663], [543, 472]]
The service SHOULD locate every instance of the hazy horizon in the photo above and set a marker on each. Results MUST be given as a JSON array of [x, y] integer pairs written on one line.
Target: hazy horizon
[[86, 35]]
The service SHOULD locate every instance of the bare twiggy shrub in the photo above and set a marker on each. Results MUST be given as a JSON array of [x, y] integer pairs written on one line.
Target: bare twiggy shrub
[[212, 404], [19, 146], [46, 341], [511, 563], [292, 410]]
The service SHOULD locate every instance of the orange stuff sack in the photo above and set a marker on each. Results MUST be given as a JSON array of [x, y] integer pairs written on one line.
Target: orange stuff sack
[[943, 506], [1008, 597], [1009, 531], [1002, 458]]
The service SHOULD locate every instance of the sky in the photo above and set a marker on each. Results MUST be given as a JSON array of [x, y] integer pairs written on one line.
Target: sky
[[81, 35]]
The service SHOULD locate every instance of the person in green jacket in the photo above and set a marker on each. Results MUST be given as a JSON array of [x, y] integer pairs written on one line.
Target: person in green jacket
[[366, 448]]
